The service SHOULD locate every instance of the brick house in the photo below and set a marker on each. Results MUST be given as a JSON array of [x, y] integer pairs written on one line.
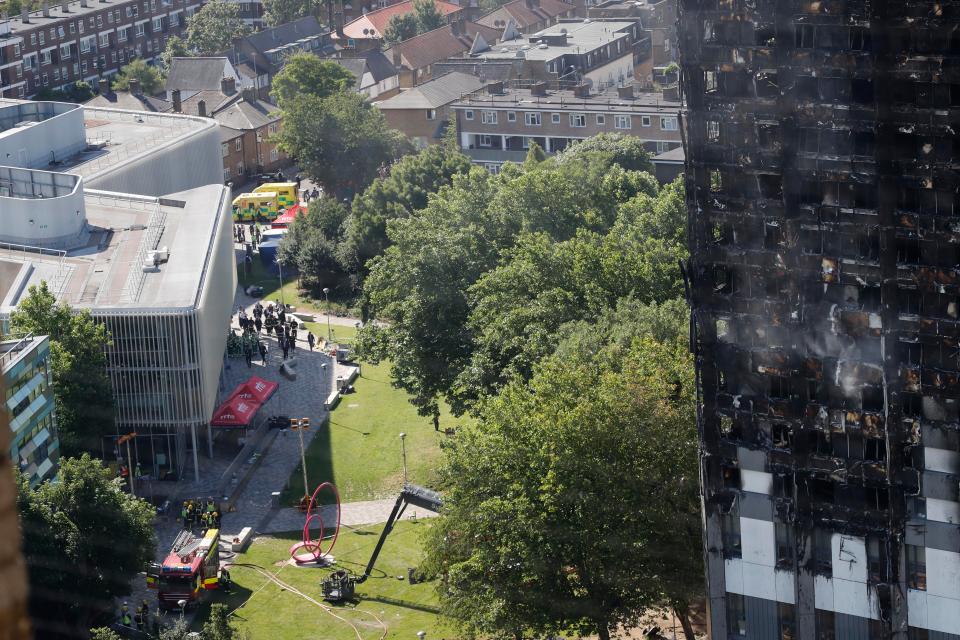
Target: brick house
[[422, 113], [57, 46]]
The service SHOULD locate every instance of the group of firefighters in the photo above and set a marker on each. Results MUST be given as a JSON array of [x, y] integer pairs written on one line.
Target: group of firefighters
[[141, 617], [204, 514]]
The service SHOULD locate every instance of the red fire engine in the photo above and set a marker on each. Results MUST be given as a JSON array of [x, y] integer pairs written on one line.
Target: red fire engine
[[189, 569]]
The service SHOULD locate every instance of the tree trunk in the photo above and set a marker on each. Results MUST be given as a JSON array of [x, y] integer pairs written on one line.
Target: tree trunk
[[683, 613], [603, 630]]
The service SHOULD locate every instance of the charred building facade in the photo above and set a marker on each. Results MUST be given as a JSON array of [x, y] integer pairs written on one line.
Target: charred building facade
[[822, 185]]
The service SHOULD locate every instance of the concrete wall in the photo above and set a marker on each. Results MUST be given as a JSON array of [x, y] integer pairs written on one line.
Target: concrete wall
[[40, 208], [216, 303], [193, 161], [56, 132]]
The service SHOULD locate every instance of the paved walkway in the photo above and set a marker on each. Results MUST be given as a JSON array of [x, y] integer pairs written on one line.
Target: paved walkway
[[352, 514]]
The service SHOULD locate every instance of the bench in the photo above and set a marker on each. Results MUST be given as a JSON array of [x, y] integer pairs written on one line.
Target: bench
[[332, 400]]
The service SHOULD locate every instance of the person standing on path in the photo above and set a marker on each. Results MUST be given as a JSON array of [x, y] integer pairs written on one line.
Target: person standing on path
[[286, 347], [263, 352], [311, 340], [258, 323]]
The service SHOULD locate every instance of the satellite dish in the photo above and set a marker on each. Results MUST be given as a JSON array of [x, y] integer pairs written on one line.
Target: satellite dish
[[366, 31]]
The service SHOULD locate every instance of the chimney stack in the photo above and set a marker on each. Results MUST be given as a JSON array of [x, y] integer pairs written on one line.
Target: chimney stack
[[202, 108], [249, 95], [134, 87], [177, 103], [104, 85], [538, 89], [83, 3], [25, 13], [495, 88], [625, 92], [65, 6], [228, 85], [46, 9], [397, 62], [582, 90]]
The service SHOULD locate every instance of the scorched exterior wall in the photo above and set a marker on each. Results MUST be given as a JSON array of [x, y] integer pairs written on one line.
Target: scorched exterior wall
[[822, 190]]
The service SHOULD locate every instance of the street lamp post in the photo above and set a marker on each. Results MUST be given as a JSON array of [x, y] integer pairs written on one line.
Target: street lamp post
[[183, 605], [326, 294], [403, 449], [300, 426], [282, 301]]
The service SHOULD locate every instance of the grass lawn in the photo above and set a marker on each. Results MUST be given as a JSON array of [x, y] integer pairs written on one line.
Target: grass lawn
[[270, 612], [359, 450]]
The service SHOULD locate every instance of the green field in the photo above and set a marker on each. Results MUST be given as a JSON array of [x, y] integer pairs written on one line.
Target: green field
[[359, 449], [270, 281], [269, 612]]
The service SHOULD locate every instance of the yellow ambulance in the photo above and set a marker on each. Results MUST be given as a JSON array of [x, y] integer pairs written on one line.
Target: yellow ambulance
[[248, 207], [286, 193]]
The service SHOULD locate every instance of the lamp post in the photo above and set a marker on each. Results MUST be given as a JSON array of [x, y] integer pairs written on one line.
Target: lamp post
[[403, 449], [282, 301], [326, 294], [300, 426], [183, 605]]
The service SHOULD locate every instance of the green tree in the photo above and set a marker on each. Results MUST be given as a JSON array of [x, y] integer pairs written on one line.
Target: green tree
[[103, 633], [217, 626], [214, 27], [149, 77], [306, 74], [176, 48], [177, 631], [424, 17], [548, 526], [340, 141], [535, 154], [401, 27], [84, 540], [428, 16], [279, 12], [406, 189], [82, 390], [626, 151]]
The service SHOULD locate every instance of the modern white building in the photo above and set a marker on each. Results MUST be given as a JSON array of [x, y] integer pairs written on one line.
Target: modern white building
[[123, 213]]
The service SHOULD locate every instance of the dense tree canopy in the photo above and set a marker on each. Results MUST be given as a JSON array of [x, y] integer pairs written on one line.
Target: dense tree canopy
[[82, 390], [85, 539], [340, 141], [399, 194], [214, 27], [477, 284], [548, 524], [283, 11], [149, 77], [306, 74]]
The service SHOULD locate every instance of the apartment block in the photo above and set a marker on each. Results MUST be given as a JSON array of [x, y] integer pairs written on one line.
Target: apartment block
[[83, 40], [28, 384], [499, 124], [824, 282]]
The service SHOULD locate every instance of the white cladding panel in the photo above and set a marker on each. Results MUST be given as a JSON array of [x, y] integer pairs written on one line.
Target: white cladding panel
[[756, 481], [943, 511], [757, 541], [941, 460]]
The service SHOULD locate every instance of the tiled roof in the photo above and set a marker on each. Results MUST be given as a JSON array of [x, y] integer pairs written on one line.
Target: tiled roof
[[435, 93], [285, 33], [433, 46], [525, 15], [376, 22], [247, 115], [214, 100], [126, 100], [196, 74]]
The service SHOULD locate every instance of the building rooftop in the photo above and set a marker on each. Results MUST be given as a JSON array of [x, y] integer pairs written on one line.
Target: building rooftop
[[608, 100], [12, 351], [438, 92], [284, 34], [197, 74], [445, 42], [109, 271], [75, 10], [526, 13], [373, 24], [565, 37]]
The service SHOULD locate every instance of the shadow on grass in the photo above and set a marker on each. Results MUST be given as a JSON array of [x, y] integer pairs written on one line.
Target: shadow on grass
[[238, 595], [343, 426], [319, 469], [406, 604]]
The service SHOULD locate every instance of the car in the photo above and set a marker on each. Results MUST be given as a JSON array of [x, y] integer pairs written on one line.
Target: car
[[254, 291]]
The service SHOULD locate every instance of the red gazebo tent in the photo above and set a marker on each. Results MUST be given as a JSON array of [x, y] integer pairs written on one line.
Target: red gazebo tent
[[283, 220], [242, 405]]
